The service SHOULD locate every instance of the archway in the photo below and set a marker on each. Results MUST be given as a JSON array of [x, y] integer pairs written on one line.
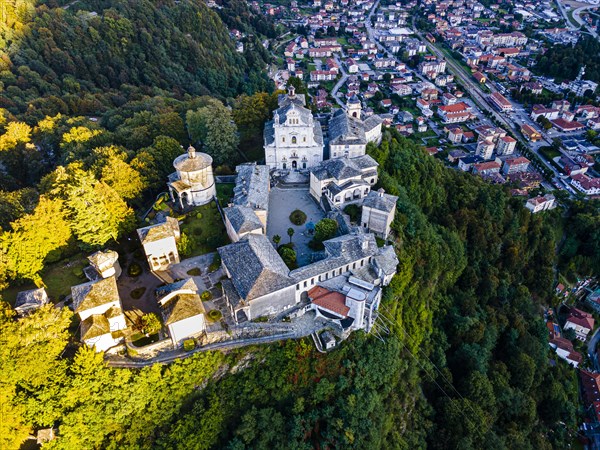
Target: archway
[[294, 165]]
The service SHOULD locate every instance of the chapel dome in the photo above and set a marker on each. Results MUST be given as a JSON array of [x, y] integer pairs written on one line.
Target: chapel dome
[[192, 161]]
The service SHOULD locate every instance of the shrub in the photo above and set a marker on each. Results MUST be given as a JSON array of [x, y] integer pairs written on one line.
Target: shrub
[[325, 229], [214, 315], [288, 255], [195, 272], [151, 323], [298, 217], [215, 264], [186, 244], [137, 293], [213, 204], [189, 345], [199, 216], [78, 272], [353, 211], [206, 295], [134, 270]]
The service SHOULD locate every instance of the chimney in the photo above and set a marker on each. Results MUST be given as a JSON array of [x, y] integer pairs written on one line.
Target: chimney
[[380, 192], [191, 152], [291, 91]]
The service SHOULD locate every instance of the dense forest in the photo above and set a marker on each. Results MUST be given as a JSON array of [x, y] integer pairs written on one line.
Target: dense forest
[[563, 62], [168, 48]]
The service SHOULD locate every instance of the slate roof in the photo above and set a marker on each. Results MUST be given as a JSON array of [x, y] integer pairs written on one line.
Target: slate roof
[[380, 200], [294, 108], [387, 260], [342, 168], [182, 306], [285, 99], [340, 251], [352, 184], [94, 293], [94, 326], [103, 259], [255, 267], [252, 186], [344, 130], [187, 284], [242, 219], [159, 231], [371, 122], [32, 299]]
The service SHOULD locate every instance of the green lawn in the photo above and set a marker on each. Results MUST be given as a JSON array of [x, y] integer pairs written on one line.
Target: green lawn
[[225, 193], [58, 278], [205, 225]]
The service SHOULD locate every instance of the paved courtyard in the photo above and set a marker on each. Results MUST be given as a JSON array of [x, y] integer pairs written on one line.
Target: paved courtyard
[[282, 201]]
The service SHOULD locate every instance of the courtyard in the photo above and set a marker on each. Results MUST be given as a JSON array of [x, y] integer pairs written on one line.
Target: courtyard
[[282, 201]]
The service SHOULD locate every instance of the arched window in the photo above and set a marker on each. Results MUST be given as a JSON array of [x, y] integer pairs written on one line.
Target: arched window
[[283, 139], [284, 166], [294, 139], [304, 139]]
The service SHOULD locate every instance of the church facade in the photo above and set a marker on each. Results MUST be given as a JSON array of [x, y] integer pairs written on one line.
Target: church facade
[[293, 139]]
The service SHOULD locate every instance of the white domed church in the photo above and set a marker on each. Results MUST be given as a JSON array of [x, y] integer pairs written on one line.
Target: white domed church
[[293, 139], [193, 183]]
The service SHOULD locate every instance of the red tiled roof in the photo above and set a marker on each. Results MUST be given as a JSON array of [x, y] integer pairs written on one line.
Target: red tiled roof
[[581, 318], [591, 390], [517, 161], [333, 301], [456, 108], [566, 125]]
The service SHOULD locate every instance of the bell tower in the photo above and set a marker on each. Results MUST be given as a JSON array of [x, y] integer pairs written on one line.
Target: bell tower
[[354, 107]]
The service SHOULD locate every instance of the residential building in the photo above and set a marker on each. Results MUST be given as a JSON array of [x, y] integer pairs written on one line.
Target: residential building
[[486, 168], [506, 145], [564, 350], [581, 322], [514, 165], [459, 112], [586, 184], [541, 203], [455, 135], [485, 148]]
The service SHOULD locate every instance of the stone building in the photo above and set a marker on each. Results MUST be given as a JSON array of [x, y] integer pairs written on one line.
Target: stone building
[[182, 310], [343, 180], [378, 211], [293, 139], [160, 244], [29, 301], [349, 134], [99, 308], [250, 205], [105, 264], [260, 284], [192, 183]]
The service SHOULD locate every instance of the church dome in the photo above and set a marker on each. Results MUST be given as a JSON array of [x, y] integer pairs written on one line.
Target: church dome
[[192, 161]]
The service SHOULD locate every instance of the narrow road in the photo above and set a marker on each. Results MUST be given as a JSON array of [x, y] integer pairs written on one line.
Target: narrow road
[[592, 349], [340, 82]]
